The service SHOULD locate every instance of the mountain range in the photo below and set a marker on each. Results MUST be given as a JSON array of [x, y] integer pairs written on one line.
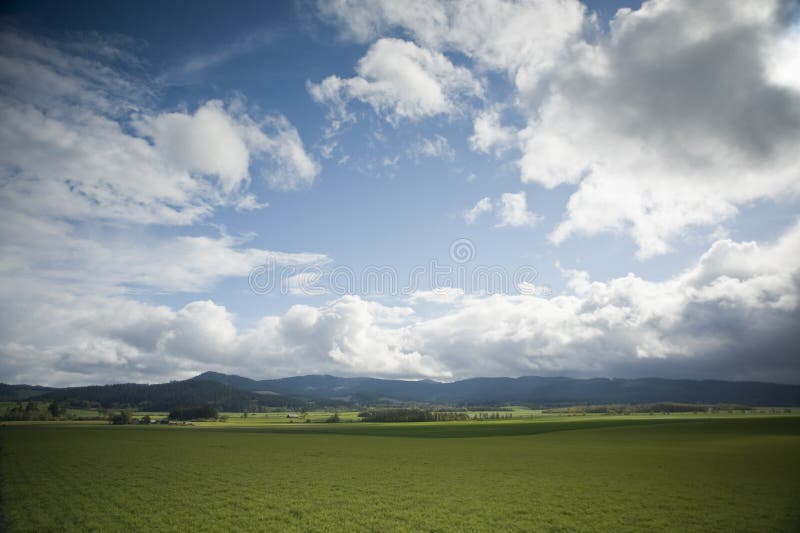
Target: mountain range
[[530, 390], [236, 393]]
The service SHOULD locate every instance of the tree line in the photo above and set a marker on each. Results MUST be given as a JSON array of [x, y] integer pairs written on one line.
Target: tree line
[[644, 408], [410, 415], [35, 411], [194, 412]]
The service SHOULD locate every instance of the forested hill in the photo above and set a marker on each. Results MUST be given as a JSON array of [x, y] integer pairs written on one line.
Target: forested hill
[[235, 393], [13, 393], [167, 396], [535, 391]]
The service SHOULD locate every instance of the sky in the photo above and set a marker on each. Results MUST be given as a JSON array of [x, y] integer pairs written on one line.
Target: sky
[[414, 190]]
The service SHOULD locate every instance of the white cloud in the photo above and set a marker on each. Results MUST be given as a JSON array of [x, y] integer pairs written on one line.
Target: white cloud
[[729, 316], [644, 122], [84, 167], [523, 38], [81, 141], [713, 320], [439, 295], [641, 118], [227, 143], [484, 205], [94, 177], [206, 143], [57, 252], [351, 334], [436, 146], [491, 136], [783, 59], [275, 138], [513, 211], [647, 125], [69, 156], [201, 330], [400, 80], [183, 264], [128, 340]]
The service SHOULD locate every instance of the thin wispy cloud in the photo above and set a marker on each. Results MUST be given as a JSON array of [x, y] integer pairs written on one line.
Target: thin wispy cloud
[[248, 43]]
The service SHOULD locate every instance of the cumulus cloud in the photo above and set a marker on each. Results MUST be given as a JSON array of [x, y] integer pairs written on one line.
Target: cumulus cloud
[[522, 38], [228, 143], [694, 324], [80, 140], [674, 117], [400, 80], [647, 124], [728, 316], [206, 143], [133, 341], [201, 330], [513, 211], [677, 115], [80, 143], [490, 136], [94, 176]]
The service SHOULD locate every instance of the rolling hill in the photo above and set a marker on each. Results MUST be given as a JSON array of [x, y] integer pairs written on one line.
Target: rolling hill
[[236, 393], [15, 393], [167, 396], [530, 390]]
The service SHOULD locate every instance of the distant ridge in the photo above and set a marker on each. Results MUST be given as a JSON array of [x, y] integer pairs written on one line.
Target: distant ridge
[[529, 390], [12, 393], [236, 393], [159, 397]]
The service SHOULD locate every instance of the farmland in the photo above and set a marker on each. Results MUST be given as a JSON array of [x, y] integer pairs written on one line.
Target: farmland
[[737, 472]]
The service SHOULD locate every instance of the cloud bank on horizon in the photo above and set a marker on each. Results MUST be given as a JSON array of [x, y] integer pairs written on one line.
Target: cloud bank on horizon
[[137, 198]]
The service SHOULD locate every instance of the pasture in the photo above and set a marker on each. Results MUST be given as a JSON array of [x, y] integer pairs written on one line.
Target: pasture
[[691, 473]]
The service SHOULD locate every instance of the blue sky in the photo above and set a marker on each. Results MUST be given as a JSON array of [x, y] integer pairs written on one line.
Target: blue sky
[[155, 154]]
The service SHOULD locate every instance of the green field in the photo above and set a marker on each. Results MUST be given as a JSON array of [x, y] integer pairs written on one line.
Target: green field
[[738, 473]]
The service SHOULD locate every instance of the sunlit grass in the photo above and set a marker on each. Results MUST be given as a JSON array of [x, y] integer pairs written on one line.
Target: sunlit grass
[[562, 473]]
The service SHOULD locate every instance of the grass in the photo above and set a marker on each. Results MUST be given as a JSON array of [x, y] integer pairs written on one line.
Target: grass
[[585, 473]]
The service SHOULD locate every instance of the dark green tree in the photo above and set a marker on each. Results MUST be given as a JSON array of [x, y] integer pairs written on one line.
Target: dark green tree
[[121, 418], [55, 409]]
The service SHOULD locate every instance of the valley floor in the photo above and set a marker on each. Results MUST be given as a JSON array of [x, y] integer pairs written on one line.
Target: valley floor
[[586, 474]]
